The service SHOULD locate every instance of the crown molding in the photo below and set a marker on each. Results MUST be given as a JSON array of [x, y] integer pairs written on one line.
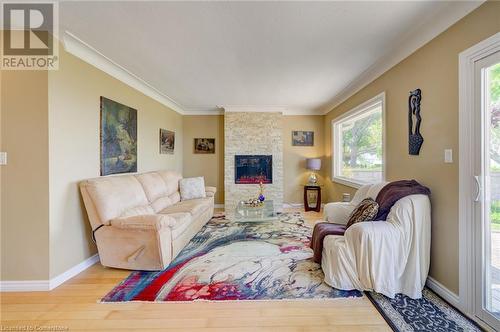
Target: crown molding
[[285, 110], [407, 45], [203, 110], [87, 53], [253, 108]]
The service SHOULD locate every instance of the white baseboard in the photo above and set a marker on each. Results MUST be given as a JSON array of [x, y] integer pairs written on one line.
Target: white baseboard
[[297, 205], [47, 285], [285, 205], [24, 286], [444, 292], [58, 280]]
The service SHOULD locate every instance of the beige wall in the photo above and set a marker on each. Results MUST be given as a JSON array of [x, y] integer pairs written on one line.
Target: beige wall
[[25, 182], [434, 69], [74, 92], [211, 166], [294, 157]]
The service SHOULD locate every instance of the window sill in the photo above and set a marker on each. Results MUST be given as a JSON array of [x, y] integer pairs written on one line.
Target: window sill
[[348, 182]]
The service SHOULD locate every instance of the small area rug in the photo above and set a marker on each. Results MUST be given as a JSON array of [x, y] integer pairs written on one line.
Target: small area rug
[[237, 261], [430, 313]]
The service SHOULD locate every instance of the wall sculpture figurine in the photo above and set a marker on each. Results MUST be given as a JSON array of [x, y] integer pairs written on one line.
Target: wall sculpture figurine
[[415, 139]]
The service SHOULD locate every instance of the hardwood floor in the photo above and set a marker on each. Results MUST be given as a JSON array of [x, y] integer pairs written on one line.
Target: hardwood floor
[[74, 306]]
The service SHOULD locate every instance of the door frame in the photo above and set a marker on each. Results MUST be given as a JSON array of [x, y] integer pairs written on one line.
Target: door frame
[[467, 136]]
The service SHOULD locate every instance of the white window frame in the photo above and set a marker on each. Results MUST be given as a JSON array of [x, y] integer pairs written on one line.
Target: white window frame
[[337, 149]]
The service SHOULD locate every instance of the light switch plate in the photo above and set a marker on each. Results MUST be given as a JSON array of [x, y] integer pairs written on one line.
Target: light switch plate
[[448, 156], [3, 158]]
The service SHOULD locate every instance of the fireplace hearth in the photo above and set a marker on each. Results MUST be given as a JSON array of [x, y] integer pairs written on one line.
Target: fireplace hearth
[[253, 169]]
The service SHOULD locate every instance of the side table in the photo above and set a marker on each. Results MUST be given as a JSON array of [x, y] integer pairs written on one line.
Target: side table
[[312, 198]]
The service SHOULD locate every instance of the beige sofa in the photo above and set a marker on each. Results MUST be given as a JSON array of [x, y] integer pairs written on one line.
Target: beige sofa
[[139, 221]]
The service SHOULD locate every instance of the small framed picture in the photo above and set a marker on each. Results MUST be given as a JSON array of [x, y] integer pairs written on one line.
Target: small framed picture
[[167, 141], [302, 138], [204, 145]]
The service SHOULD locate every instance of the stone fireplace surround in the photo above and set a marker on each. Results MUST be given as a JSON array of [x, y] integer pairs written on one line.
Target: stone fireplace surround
[[253, 133]]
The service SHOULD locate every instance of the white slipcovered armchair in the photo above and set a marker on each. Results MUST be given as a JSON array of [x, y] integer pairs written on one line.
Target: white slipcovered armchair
[[388, 257]]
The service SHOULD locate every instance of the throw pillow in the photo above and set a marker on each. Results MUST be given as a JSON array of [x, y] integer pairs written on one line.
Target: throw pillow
[[365, 211], [192, 188]]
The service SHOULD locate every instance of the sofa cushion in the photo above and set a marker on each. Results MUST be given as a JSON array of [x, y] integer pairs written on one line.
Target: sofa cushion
[[171, 180], [145, 222], [115, 196], [153, 184], [191, 188], [193, 206], [175, 197], [159, 188], [137, 211]]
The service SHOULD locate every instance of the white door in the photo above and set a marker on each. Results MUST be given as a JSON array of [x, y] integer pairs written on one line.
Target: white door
[[486, 210]]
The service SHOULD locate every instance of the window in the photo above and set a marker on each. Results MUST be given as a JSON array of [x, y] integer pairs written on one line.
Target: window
[[358, 144]]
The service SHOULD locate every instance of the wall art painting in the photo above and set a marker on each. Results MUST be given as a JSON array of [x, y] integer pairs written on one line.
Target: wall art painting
[[118, 138]]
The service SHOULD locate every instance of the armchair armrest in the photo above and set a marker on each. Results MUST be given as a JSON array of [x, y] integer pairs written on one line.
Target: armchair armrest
[[210, 191], [144, 222], [338, 212]]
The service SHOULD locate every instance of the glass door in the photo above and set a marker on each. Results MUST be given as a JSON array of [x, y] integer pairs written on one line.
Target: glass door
[[487, 207]]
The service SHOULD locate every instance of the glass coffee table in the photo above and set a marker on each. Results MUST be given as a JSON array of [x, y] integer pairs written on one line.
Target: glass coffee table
[[264, 213]]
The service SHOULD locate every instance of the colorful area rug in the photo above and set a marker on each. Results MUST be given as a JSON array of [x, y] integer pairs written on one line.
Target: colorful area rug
[[430, 313], [237, 261]]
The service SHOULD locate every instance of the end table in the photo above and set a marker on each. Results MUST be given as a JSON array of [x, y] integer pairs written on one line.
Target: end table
[[312, 197]]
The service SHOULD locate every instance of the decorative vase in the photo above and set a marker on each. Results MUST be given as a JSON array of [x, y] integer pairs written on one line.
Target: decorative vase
[[262, 198]]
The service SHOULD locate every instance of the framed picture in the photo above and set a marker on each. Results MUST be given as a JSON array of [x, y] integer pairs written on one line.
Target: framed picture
[[118, 138], [302, 138], [167, 141], [204, 145]]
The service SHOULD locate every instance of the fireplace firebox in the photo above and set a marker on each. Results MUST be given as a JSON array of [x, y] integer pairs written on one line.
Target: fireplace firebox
[[253, 169]]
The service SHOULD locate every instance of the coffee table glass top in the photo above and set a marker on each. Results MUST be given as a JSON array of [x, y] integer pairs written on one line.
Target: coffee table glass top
[[264, 213]]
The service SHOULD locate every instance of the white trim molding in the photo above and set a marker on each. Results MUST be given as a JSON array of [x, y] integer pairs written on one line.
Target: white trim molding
[[288, 205], [358, 110], [442, 291], [65, 276], [47, 285], [24, 286], [467, 137], [284, 109], [82, 50]]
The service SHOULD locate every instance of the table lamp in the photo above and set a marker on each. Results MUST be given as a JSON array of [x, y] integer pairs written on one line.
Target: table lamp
[[313, 164]]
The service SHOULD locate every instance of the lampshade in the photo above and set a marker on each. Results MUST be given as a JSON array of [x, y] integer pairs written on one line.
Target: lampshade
[[313, 164]]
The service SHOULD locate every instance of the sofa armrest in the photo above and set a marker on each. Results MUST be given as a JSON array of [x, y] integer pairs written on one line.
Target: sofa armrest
[[338, 212], [210, 191], [144, 222]]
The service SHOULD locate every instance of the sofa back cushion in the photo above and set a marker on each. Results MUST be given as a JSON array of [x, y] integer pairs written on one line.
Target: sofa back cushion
[[160, 188], [116, 196]]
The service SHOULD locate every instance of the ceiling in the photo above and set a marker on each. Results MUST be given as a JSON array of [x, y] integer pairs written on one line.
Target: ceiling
[[302, 57]]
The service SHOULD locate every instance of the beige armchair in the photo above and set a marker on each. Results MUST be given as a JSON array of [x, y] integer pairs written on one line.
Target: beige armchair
[[139, 221]]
